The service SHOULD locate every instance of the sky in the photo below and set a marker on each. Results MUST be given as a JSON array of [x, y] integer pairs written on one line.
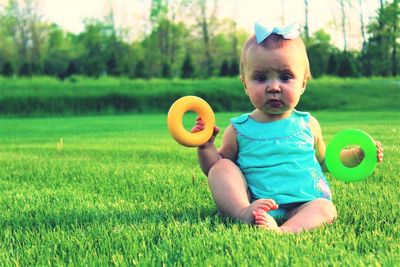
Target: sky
[[323, 14]]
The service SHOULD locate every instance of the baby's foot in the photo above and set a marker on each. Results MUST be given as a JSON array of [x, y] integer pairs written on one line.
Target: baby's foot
[[266, 221], [247, 216]]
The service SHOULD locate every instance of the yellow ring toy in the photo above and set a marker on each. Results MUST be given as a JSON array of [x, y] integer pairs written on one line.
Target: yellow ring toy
[[176, 128]]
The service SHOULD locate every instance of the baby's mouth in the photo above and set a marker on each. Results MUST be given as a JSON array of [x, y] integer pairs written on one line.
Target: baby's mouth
[[274, 102]]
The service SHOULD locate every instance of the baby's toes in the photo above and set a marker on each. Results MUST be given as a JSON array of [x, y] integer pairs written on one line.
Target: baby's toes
[[264, 207], [260, 217], [265, 221], [273, 204], [267, 204], [260, 204]]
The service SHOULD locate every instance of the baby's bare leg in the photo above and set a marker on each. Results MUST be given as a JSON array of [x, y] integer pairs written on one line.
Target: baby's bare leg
[[229, 190], [310, 215]]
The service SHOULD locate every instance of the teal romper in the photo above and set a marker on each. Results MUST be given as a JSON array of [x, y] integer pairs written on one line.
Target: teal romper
[[278, 161]]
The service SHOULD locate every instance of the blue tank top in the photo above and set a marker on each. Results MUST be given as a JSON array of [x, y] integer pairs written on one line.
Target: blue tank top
[[278, 159]]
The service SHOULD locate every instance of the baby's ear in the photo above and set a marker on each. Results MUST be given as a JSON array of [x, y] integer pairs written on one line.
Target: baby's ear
[[303, 86], [243, 80], [244, 83]]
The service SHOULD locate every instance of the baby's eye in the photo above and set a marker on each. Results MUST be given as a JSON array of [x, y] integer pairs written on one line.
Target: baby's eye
[[285, 77], [260, 78]]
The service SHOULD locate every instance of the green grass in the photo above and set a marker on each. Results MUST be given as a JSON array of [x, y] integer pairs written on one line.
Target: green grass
[[79, 95], [123, 192]]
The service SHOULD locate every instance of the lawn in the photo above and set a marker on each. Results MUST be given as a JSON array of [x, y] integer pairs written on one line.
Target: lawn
[[38, 96], [122, 191]]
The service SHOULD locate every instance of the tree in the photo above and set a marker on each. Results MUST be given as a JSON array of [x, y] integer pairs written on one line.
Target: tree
[[234, 68], [332, 64], [205, 26], [166, 70], [8, 69], [71, 69], [364, 60], [57, 53], [28, 32], [306, 29], [342, 8], [166, 44], [224, 70], [8, 51], [205, 14], [346, 65], [362, 25], [140, 70], [112, 65], [25, 70], [95, 41], [393, 15], [318, 49], [383, 42], [118, 51], [187, 67]]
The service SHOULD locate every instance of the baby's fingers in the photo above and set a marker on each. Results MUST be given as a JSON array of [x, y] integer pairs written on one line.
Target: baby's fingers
[[197, 128], [199, 120], [216, 130], [379, 149]]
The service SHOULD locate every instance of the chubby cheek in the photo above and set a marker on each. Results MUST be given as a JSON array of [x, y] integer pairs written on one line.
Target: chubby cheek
[[292, 97], [256, 97], [292, 103]]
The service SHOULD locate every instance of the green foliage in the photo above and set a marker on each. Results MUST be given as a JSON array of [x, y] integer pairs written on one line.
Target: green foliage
[[7, 69], [166, 71], [79, 95], [318, 49], [346, 65], [140, 70], [120, 191], [58, 53], [187, 67], [332, 64], [71, 69], [95, 40], [234, 68], [112, 65], [25, 69], [224, 70], [36, 47], [381, 54]]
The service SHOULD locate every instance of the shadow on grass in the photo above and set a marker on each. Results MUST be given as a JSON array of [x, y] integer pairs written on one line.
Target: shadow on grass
[[72, 219]]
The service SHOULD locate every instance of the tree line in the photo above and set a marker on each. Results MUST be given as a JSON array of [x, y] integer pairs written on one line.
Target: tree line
[[199, 47]]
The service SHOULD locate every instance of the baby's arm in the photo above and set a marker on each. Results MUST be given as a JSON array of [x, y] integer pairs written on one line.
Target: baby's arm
[[208, 153], [350, 157], [353, 156], [319, 144]]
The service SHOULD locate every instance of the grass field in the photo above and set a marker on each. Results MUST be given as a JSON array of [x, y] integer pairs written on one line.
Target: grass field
[[122, 192], [44, 96]]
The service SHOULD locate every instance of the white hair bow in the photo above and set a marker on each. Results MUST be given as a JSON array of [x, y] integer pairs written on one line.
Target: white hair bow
[[263, 29]]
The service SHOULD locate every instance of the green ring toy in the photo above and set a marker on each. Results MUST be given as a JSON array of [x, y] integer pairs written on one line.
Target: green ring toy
[[335, 165]]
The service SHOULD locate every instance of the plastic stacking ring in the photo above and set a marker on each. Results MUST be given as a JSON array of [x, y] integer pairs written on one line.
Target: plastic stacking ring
[[176, 128], [335, 165]]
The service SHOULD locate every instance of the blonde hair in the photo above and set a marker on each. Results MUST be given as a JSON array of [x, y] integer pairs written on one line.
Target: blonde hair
[[274, 41]]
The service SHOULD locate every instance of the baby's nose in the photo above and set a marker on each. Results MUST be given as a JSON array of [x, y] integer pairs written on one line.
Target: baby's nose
[[273, 87]]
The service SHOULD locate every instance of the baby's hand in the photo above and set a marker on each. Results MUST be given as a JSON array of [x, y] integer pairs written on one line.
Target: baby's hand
[[199, 126], [379, 150]]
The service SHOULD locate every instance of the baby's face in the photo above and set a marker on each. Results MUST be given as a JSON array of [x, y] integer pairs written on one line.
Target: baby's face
[[274, 79]]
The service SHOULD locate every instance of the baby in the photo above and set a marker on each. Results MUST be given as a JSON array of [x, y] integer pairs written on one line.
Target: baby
[[269, 168]]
